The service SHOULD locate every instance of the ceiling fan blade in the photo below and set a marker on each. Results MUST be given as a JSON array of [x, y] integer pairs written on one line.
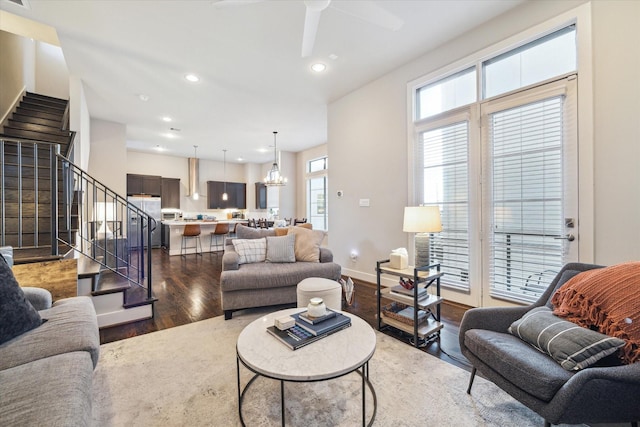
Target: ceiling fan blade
[[311, 21], [370, 12]]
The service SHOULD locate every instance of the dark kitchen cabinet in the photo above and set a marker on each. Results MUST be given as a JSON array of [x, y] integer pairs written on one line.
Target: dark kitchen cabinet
[[149, 185], [170, 193], [261, 195], [237, 192]]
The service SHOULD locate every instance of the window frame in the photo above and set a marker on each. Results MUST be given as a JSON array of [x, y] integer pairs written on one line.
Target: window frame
[[581, 18], [321, 173]]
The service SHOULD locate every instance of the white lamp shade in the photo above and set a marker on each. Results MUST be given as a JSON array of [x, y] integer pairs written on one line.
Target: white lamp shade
[[422, 219]]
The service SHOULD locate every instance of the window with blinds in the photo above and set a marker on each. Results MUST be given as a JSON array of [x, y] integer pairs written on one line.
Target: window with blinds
[[445, 177], [525, 150]]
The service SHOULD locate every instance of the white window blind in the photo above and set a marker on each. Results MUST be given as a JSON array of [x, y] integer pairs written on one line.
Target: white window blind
[[444, 154], [525, 146]]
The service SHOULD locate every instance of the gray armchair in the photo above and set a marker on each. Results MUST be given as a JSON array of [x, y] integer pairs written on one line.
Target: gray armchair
[[592, 395]]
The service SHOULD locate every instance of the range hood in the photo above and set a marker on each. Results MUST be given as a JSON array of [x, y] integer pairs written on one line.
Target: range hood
[[194, 178]]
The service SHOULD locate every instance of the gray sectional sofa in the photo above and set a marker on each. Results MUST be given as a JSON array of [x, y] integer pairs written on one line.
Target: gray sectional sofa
[[263, 284], [46, 373]]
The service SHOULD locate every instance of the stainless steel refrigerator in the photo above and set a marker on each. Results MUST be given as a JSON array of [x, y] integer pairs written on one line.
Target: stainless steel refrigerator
[[151, 206]]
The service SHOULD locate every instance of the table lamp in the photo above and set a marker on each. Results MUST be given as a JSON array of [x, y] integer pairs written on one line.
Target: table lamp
[[422, 220], [104, 212]]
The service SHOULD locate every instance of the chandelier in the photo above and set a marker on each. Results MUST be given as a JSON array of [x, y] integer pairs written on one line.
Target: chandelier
[[274, 178]]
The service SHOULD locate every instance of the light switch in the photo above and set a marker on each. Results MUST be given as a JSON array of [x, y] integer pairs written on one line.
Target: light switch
[[364, 203]]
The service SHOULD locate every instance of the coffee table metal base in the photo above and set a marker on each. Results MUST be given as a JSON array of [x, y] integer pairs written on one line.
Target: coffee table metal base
[[362, 370]]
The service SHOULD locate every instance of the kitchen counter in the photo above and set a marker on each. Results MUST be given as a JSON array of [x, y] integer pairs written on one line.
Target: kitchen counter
[[182, 222], [173, 240]]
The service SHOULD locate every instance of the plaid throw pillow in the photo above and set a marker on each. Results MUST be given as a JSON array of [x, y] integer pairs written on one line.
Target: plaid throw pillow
[[250, 250]]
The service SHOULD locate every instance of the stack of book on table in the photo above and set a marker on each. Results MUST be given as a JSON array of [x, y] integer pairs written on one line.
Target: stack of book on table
[[399, 290], [310, 329]]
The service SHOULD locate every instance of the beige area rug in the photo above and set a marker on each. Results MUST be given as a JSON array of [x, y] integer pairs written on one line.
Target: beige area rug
[[186, 376]]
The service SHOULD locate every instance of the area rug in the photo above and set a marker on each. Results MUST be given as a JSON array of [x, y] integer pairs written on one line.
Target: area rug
[[186, 376]]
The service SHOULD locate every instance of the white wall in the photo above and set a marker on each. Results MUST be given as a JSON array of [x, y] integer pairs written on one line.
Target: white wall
[[108, 153], [17, 55], [616, 33], [79, 122], [51, 72], [368, 154]]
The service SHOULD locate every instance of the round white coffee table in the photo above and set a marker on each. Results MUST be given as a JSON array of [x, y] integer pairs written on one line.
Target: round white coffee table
[[331, 357]]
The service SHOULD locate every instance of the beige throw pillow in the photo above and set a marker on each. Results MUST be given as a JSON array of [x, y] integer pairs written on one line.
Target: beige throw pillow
[[307, 245]]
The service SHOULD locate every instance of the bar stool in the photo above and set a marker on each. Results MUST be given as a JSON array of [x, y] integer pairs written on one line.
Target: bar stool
[[190, 231], [221, 230]]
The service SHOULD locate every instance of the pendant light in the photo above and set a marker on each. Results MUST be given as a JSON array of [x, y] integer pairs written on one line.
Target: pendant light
[[274, 178], [225, 196]]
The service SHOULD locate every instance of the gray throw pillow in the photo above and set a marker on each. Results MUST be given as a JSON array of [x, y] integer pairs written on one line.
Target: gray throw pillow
[[17, 315], [244, 232], [281, 249], [571, 345]]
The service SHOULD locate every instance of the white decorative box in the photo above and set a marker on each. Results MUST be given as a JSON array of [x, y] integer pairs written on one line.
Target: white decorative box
[[398, 261], [284, 322]]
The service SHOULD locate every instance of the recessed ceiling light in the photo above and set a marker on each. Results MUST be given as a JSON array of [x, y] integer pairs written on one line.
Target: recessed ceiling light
[[333, 56], [240, 159], [143, 97], [169, 135], [319, 67], [192, 78], [167, 119], [159, 148]]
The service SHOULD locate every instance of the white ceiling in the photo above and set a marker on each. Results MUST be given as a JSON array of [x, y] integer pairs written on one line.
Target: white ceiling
[[248, 55]]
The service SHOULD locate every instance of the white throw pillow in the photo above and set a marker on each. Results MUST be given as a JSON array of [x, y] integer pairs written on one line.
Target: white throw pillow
[[250, 250]]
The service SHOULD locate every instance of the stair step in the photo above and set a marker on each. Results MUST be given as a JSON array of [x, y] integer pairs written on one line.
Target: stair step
[[41, 114], [136, 297], [42, 106], [35, 136], [87, 267], [35, 120], [110, 282], [46, 98], [58, 104], [36, 127]]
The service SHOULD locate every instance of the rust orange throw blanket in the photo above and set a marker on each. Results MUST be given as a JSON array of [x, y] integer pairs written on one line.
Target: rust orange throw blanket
[[607, 299]]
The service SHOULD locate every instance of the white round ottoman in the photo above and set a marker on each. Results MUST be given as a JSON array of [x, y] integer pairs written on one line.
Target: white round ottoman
[[329, 290]]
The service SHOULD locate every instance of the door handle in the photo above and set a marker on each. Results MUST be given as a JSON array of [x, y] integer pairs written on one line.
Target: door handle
[[569, 237]]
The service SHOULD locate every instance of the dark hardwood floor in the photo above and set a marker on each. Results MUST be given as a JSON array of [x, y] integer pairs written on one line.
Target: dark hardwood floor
[[188, 291]]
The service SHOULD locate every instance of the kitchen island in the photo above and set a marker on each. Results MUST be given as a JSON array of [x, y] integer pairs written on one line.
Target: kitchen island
[[172, 233]]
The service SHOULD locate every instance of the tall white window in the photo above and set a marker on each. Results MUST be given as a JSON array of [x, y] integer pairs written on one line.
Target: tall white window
[[500, 162], [317, 212], [527, 139], [443, 150]]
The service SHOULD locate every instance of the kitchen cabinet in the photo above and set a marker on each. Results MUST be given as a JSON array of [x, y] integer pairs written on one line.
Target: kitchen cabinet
[[261, 196], [171, 193], [150, 185], [237, 192]]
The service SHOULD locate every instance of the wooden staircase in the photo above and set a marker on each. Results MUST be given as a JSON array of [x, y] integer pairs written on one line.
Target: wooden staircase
[[40, 118], [31, 142], [38, 123]]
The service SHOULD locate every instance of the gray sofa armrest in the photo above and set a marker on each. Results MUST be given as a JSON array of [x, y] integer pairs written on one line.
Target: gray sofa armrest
[[497, 319], [326, 255], [7, 254], [230, 259], [39, 298], [582, 396]]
